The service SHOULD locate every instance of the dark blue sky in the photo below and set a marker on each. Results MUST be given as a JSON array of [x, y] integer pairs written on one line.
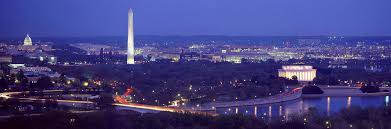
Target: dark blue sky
[[78, 18]]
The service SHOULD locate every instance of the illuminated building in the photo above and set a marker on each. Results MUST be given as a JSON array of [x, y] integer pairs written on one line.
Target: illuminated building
[[252, 57], [302, 72], [284, 56], [4, 58], [130, 52], [14, 66], [173, 56], [28, 41], [216, 58], [338, 64], [33, 74], [91, 49], [191, 56], [42, 56]]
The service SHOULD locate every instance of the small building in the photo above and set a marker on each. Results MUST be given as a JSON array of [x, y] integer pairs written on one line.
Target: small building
[[14, 66], [5, 58], [33, 74], [191, 56], [42, 56], [252, 57], [173, 56], [304, 73]]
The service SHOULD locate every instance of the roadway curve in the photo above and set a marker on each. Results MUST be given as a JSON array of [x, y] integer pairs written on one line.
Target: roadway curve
[[283, 97]]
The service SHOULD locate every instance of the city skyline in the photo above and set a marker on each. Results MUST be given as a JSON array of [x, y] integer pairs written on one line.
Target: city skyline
[[195, 64], [251, 18]]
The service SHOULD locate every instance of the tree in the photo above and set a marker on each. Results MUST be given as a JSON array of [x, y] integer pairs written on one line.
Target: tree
[[50, 104], [370, 89], [20, 75], [293, 81], [44, 83], [105, 101], [62, 79], [312, 90], [3, 84], [22, 80], [6, 69], [294, 77], [149, 57]]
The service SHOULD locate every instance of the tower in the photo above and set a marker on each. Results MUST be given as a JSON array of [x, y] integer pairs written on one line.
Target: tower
[[27, 41], [130, 53]]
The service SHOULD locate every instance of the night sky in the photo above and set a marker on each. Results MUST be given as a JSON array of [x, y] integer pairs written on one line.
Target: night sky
[[80, 18]]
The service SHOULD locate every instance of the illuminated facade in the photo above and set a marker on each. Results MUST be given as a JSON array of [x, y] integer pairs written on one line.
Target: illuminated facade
[[303, 73], [130, 52], [33, 74], [4, 58], [27, 41], [253, 57]]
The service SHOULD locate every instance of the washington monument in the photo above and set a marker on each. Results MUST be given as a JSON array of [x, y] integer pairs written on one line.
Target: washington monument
[[130, 53]]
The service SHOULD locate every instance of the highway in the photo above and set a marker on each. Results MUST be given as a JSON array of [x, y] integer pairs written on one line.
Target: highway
[[203, 109], [283, 97], [130, 106]]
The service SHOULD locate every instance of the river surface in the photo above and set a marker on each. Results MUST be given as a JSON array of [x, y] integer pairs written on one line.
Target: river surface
[[326, 105]]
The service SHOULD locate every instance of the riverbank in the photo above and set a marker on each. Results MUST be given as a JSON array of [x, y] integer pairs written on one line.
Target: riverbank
[[344, 91], [346, 94], [279, 98], [329, 91]]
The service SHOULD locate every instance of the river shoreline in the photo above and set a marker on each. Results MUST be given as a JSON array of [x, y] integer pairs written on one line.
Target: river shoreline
[[341, 91], [345, 94]]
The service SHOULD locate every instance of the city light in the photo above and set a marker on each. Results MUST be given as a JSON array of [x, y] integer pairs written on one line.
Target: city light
[[189, 64]]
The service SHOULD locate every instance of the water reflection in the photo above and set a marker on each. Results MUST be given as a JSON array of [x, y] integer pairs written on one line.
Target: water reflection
[[327, 105], [270, 112], [255, 110], [280, 111]]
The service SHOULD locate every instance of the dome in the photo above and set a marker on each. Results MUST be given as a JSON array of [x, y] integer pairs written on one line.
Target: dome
[[27, 40]]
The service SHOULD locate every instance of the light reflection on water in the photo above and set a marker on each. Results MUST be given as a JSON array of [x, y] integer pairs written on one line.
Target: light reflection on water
[[326, 105]]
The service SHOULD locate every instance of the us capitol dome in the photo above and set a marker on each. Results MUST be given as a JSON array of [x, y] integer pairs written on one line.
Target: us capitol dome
[[27, 41]]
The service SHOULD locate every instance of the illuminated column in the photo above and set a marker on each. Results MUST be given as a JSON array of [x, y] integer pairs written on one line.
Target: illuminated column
[[130, 53], [308, 76]]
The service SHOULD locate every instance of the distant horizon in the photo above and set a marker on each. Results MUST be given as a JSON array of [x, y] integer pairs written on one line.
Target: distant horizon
[[92, 18], [260, 36]]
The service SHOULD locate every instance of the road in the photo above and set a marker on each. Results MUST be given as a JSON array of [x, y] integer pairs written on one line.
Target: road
[[286, 96], [204, 109], [130, 106]]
